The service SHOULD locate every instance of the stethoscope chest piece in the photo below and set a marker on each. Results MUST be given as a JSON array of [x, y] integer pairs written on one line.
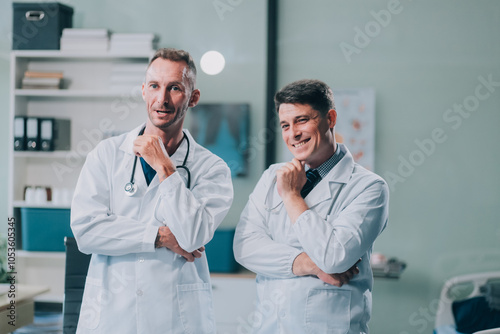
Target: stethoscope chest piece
[[130, 189]]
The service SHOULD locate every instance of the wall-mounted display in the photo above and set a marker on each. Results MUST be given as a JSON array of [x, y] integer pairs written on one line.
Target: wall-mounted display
[[223, 128]]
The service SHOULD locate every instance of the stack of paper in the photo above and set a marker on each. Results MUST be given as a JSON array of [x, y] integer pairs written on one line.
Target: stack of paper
[[127, 77], [133, 42], [42, 80], [85, 40]]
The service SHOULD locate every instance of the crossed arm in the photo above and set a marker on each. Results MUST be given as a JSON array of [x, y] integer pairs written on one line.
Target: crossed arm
[[165, 238], [257, 250], [152, 150], [304, 266], [99, 229], [290, 180]]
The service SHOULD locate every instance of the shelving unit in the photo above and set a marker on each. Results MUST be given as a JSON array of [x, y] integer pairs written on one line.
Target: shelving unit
[[34, 154], [66, 93], [23, 204], [96, 110]]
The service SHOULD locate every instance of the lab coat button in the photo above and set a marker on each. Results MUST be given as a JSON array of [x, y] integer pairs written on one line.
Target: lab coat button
[[139, 292], [282, 314]]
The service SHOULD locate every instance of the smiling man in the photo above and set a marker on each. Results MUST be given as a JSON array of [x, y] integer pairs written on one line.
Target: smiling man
[[146, 223], [309, 225]]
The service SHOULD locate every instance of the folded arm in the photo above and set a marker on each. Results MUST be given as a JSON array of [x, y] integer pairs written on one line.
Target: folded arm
[[95, 226], [192, 215], [166, 238], [304, 266], [254, 247], [339, 241]]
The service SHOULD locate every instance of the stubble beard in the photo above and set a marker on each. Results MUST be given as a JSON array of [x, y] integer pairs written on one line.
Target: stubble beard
[[178, 116]]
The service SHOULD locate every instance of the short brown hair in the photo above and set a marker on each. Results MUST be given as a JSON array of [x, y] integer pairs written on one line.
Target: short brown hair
[[177, 55], [314, 93]]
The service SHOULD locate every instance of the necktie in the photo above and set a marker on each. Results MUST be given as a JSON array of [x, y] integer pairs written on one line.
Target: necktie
[[313, 177]]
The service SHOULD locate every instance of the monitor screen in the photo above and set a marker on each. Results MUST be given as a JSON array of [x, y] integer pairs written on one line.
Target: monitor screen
[[223, 128]]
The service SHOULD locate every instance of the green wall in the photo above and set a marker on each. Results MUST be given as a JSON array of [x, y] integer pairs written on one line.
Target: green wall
[[425, 62]]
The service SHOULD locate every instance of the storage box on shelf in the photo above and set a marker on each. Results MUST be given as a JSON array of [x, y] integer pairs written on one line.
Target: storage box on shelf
[[94, 109], [220, 254], [38, 25], [44, 229]]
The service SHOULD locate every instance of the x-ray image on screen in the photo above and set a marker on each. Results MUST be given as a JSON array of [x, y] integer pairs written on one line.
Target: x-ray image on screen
[[223, 129]]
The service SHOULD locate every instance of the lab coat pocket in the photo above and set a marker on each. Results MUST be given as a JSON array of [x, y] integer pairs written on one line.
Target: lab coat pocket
[[195, 308], [328, 311], [90, 313]]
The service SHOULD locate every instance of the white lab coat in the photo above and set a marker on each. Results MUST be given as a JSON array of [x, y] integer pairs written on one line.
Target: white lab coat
[[348, 209], [132, 287]]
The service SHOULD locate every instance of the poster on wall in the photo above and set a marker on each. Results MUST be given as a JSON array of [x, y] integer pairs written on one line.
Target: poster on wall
[[355, 124]]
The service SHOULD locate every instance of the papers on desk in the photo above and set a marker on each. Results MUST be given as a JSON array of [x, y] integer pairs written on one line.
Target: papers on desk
[[386, 268]]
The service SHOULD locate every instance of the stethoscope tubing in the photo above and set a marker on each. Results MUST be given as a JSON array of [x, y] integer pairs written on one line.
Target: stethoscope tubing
[[130, 188]]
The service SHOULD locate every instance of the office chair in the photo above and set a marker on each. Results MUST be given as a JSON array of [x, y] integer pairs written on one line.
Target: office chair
[[77, 265]]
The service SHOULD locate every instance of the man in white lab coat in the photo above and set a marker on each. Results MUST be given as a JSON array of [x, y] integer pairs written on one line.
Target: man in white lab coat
[[146, 226], [298, 229]]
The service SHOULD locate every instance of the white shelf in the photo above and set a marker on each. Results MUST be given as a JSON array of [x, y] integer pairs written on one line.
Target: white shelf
[[42, 154], [79, 54], [50, 298], [70, 93], [40, 255], [23, 204]]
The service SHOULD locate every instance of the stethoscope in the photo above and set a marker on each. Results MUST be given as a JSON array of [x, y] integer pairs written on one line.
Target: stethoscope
[[131, 188]]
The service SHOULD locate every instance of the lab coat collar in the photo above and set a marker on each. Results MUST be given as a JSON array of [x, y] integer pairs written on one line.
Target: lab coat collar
[[342, 171], [177, 158], [179, 155], [327, 187], [128, 144], [333, 181]]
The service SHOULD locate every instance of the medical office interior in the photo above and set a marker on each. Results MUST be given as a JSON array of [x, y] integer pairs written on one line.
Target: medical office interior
[[432, 73]]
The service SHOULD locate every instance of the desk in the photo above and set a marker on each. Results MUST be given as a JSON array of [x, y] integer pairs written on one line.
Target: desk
[[24, 305]]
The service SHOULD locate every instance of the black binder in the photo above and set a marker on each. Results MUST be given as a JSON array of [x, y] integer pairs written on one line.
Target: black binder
[[19, 133], [32, 134], [55, 134], [46, 134]]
